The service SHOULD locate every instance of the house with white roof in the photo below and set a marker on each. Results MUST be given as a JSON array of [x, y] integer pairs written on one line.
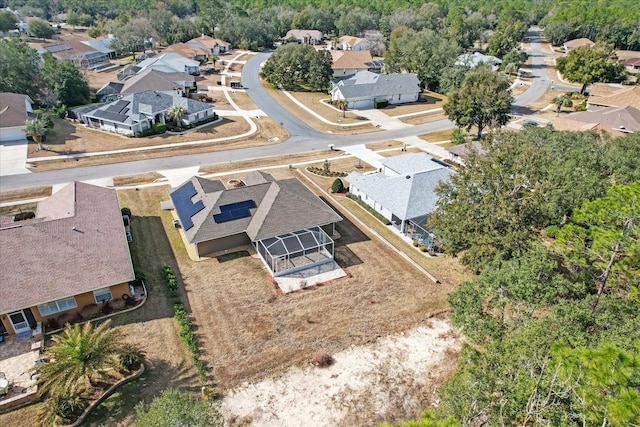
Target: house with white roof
[[211, 44], [170, 62], [365, 88], [304, 36], [403, 191], [353, 43], [474, 59]]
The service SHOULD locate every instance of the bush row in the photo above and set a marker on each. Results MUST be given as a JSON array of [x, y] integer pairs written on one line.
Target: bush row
[[368, 208], [156, 129], [175, 128], [187, 336]]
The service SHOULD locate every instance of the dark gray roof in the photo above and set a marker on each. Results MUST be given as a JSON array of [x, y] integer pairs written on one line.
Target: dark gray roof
[[101, 45], [378, 85], [110, 88], [127, 109], [282, 206]]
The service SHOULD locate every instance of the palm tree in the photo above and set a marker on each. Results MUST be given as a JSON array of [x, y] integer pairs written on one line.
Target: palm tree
[[176, 112], [79, 356], [342, 104], [35, 129], [562, 101]]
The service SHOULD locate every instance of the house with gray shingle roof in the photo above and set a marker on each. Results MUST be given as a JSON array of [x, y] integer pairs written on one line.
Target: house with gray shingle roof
[[139, 111], [169, 83], [365, 88], [403, 192], [287, 224], [170, 62], [73, 253], [15, 110]]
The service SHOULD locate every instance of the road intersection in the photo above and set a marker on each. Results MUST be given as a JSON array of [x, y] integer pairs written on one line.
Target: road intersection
[[303, 138]]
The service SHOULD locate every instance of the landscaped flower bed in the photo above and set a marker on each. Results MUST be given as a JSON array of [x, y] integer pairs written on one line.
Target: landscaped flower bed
[[323, 172]]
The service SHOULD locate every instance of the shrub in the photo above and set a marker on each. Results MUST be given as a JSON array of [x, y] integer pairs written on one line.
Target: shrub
[[130, 357], [415, 244], [381, 104], [423, 249], [159, 127], [337, 186], [552, 231], [322, 360], [126, 211]]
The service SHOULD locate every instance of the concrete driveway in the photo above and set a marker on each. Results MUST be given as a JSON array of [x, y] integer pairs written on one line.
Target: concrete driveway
[[13, 157]]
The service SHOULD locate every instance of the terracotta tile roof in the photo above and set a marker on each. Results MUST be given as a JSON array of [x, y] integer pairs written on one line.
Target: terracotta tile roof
[[78, 245], [13, 111], [282, 206], [351, 59], [626, 96]]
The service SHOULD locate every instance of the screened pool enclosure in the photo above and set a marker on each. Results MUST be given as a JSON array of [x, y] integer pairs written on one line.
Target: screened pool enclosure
[[296, 251]]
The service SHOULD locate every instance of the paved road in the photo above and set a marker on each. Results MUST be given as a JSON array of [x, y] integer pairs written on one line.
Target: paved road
[[303, 138], [540, 82]]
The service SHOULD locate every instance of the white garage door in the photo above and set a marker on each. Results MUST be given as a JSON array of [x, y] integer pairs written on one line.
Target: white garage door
[[361, 105], [11, 134]]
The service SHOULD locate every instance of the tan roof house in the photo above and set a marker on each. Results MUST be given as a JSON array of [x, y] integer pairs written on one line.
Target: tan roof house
[[287, 224], [576, 43], [621, 98], [353, 43], [211, 44], [197, 53], [72, 254], [615, 120], [348, 62], [15, 110], [632, 64]]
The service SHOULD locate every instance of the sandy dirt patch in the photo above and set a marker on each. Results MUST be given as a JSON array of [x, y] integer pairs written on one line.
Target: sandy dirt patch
[[391, 379]]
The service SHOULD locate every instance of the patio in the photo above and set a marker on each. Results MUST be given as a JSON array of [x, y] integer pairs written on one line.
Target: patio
[[18, 358]]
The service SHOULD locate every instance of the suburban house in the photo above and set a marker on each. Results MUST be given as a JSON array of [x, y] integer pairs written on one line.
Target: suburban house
[[576, 43], [211, 44], [615, 120], [632, 64], [287, 224], [304, 36], [621, 98], [102, 45], [474, 59], [352, 43], [403, 192], [197, 53], [460, 153], [170, 83], [15, 110], [73, 253], [346, 63], [170, 62], [365, 88], [84, 56], [139, 111]]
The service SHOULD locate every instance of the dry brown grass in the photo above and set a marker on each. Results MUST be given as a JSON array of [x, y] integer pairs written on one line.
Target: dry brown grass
[[242, 100], [441, 135], [424, 118], [141, 178], [433, 100], [25, 194], [16, 209], [316, 124], [248, 331], [383, 145], [233, 126]]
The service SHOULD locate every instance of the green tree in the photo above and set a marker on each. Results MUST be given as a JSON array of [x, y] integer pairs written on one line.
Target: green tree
[[587, 64], [602, 242], [8, 21], [506, 37], [40, 28], [19, 66], [354, 21], [295, 65], [484, 100], [605, 383], [559, 32], [131, 37], [35, 129], [337, 186], [79, 357], [562, 101], [175, 408], [66, 81], [425, 53], [176, 113]]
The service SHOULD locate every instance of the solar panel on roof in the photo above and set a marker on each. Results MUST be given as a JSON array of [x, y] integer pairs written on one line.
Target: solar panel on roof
[[183, 204]]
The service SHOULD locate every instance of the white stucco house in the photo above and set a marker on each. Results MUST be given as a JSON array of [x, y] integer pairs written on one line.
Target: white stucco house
[[304, 36], [365, 88], [353, 43], [139, 111], [403, 192], [213, 45], [15, 110], [170, 62]]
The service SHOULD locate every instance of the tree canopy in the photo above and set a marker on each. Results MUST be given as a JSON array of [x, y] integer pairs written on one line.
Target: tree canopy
[[484, 100], [66, 81], [587, 64], [19, 66], [296, 64], [175, 408]]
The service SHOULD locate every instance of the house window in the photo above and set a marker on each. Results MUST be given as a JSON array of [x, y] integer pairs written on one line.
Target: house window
[[57, 306], [102, 295]]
